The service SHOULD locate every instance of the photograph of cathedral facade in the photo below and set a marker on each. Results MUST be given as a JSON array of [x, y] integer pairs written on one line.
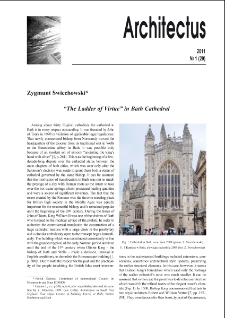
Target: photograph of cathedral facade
[[168, 191]]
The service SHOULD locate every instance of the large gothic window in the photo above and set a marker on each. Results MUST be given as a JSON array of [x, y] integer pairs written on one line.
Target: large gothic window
[[169, 186], [138, 212]]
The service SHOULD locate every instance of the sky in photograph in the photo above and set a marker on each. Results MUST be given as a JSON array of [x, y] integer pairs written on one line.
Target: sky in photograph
[[132, 138]]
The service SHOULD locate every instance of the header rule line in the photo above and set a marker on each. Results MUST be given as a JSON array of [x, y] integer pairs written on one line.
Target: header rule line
[[130, 64]]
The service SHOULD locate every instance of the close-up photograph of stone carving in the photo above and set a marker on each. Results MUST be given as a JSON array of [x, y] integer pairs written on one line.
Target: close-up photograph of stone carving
[[43, 40], [162, 179]]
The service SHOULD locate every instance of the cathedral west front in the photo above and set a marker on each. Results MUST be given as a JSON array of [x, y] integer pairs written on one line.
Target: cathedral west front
[[168, 190]]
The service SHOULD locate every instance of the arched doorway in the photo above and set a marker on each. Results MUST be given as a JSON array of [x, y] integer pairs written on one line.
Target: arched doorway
[[138, 229], [169, 223]]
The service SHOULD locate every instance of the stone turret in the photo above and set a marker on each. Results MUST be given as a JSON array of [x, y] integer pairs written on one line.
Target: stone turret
[[163, 134], [131, 173], [187, 141], [149, 174], [149, 142], [187, 156]]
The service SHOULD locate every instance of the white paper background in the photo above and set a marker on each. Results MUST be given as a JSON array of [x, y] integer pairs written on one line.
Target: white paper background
[[92, 32]]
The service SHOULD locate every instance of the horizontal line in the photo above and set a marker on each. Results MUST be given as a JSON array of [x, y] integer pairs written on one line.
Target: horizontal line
[[136, 64], [124, 0]]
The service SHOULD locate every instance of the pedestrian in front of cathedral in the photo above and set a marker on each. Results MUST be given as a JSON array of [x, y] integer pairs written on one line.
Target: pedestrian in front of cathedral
[[161, 232], [179, 230], [168, 233]]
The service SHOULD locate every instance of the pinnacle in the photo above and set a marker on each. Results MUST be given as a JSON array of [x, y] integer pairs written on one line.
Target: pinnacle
[[150, 133]]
